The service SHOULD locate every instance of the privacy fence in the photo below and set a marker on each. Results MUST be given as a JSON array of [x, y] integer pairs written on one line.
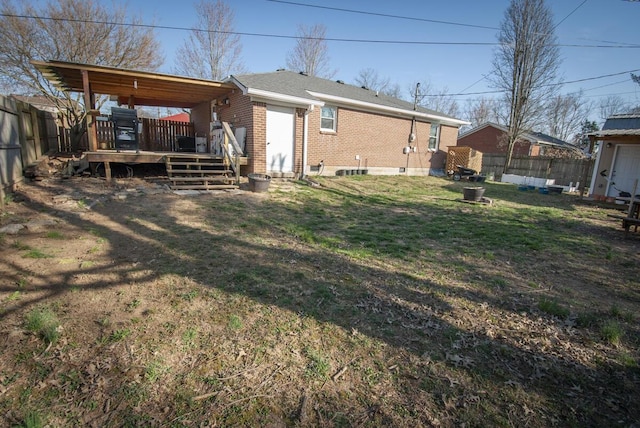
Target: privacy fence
[[564, 171], [26, 135]]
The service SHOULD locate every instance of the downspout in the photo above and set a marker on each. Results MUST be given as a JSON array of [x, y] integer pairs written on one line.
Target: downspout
[[305, 140]]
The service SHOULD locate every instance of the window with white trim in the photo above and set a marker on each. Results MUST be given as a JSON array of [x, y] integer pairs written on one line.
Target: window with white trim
[[328, 118], [434, 137]]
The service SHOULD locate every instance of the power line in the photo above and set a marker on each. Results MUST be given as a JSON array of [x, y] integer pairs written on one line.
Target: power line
[[484, 76], [607, 85], [594, 78], [586, 79], [282, 36], [607, 41], [570, 13], [384, 15], [411, 18]]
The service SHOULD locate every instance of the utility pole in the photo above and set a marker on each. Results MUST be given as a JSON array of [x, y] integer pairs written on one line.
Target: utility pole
[[412, 134]]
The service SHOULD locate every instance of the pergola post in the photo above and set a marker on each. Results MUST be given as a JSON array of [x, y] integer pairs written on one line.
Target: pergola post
[[89, 106]]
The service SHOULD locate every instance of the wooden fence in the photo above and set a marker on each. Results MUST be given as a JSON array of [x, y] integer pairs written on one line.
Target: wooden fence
[[26, 135], [157, 135], [564, 171]]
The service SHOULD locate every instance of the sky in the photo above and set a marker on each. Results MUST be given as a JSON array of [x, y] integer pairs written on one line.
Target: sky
[[594, 25]]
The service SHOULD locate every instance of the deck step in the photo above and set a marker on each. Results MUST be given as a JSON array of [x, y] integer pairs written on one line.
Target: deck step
[[199, 173], [212, 179], [199, 164], [204, 187]]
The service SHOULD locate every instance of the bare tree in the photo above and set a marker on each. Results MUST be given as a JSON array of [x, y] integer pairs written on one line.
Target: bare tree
[[481, 111], [437, 99], [525, 65], [369, 78], [394, 91], [613, 104], [565, 115], [212, 50], [82, 31], [311, 53]]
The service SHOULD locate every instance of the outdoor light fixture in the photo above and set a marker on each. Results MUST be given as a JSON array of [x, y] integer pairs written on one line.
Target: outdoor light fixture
[[608, 145]]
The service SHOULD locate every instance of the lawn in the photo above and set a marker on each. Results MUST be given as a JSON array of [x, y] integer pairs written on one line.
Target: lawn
[[360, 301]]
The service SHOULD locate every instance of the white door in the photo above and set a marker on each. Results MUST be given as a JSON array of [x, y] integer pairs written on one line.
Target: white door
[[280, 137], [625, 170]]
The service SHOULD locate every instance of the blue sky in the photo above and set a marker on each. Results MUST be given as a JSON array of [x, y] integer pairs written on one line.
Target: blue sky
[[460, 68]]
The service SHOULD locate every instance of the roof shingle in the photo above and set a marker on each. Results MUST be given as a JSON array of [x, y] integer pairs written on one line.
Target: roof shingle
[[301, 86]]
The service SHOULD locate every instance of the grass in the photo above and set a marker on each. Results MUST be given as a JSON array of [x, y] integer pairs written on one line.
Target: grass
[[189, 337], [235, 322], [14, 296], [45, 323], [36, 254], [367, 301], [119, 335], [318, 366], [612, 332], [154, 371], [552, 307], [33, 419]]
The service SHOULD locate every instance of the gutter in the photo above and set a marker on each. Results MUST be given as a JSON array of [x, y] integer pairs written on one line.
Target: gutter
[[394, 110], [262, 95]]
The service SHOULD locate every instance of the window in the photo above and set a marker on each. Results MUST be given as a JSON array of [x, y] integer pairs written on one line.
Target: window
[[434, 137], [328, 117]]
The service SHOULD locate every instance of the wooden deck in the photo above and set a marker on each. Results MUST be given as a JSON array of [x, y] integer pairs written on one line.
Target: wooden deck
[[130, 156], [140, 157]]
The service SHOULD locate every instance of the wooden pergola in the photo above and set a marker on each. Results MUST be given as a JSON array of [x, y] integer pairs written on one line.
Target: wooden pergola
[[130, 87]]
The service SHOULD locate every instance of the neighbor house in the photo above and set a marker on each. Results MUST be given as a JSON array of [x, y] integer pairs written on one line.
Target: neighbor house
[[281, 123], [178, 117], [617, 165], [491, 138]]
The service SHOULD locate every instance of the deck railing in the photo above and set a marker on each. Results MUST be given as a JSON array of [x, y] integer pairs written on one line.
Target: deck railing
[[231, 151], [157, 135]]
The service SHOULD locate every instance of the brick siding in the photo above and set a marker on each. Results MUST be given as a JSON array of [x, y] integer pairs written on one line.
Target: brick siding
[[378, 140], [493, 140]]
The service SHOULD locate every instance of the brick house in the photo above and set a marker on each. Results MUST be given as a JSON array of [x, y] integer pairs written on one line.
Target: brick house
[[286, 123], [490, 138], [297, 124]]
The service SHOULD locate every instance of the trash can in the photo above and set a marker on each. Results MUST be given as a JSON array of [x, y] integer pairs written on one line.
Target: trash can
[[259, 182]]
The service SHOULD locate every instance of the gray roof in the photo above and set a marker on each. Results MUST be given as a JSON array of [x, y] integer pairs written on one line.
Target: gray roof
[[619, 125], [622, 121], [548, 139], [531, 136], [302, 86]]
